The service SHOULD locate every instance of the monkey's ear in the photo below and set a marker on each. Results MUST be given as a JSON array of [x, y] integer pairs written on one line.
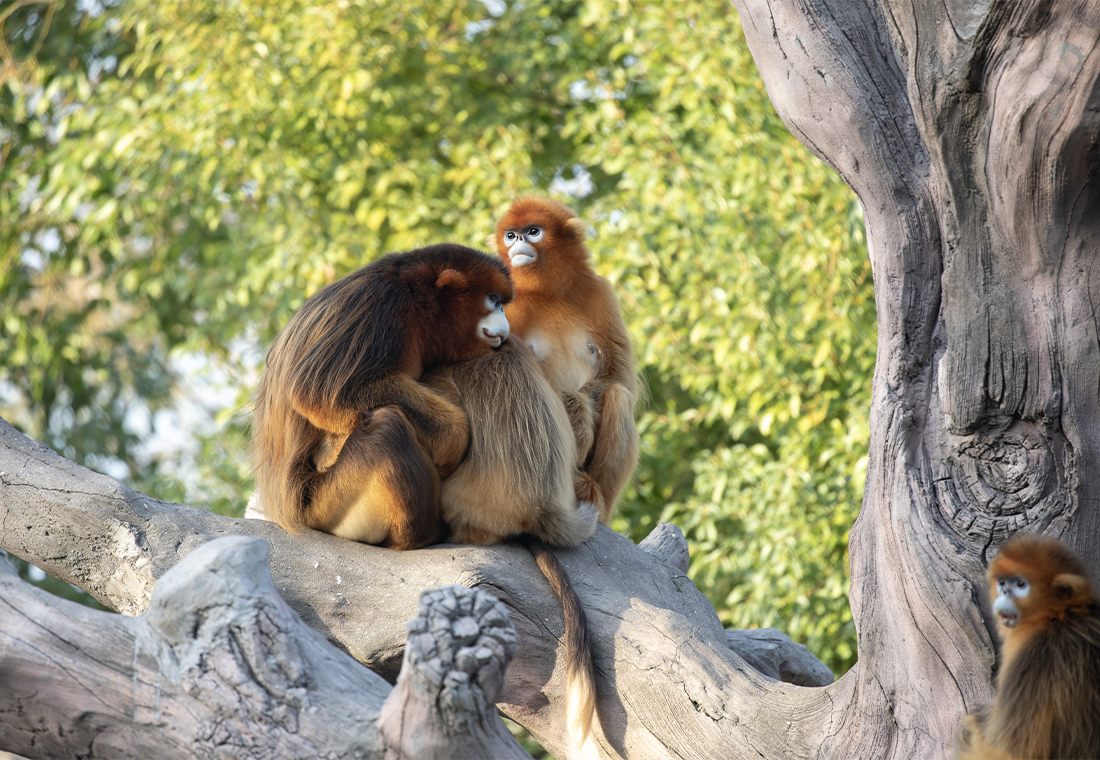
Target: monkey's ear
[[491, 242], [451, 278], [1071, 584], [578, 228]]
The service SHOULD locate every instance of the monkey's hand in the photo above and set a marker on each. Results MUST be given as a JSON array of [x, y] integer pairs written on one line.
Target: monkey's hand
[[328, 451], [583, 418], [971, 743], [588, 491], [339, 421]]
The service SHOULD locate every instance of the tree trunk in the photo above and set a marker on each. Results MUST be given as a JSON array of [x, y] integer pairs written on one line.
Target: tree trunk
[[972, 136], [971, 133]]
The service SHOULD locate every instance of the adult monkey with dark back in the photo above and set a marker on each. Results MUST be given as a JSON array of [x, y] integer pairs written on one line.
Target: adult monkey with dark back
[[348, 440], [345, 437]]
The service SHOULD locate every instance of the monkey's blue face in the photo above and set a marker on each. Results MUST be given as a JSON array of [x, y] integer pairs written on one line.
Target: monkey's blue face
[[1010, 591], [493, 327], [520, 244]]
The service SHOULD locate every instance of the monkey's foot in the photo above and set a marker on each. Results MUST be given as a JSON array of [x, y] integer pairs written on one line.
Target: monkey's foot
[[459, 645]]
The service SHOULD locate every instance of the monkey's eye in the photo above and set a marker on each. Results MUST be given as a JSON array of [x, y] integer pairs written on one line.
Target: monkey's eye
[[1014, 585], [492, 302], [534, 234], [510, 236]]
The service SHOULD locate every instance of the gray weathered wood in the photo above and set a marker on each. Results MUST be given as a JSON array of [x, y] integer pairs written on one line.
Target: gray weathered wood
[[218, 666], [773, 653], [666, 676], [461, 671], [971, 133]]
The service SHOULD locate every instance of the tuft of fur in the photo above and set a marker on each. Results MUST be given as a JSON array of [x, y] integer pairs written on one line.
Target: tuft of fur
[[580, 673], [1048, 686], [517, 481], [355, 348], [563, 307]]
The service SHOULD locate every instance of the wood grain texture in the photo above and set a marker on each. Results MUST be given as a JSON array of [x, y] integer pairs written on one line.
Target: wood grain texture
[[969, 130], [666, 675]]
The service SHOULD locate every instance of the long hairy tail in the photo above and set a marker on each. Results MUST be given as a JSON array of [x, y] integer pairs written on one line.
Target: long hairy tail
[[579, 671]]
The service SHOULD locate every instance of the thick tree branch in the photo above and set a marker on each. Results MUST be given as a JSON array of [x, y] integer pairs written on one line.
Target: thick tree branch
[[219, 666], [662, 657]]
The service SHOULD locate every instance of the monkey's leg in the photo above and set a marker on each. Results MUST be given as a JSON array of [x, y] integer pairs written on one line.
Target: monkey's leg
[[583, 418], [615, 451], [383, 489], [340, 422]]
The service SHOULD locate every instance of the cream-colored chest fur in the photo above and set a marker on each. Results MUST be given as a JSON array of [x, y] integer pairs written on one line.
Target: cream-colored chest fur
[[569, 358]]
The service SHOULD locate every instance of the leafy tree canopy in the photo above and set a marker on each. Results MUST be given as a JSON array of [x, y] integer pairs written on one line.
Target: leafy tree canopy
[[176, 178]]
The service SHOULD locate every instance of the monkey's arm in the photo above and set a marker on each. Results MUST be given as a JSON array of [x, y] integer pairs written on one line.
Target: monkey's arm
[[441, 425], [584, 417]]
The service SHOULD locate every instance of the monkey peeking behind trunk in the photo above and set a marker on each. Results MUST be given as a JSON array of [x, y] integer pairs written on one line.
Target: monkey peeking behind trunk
[[1048, 684]]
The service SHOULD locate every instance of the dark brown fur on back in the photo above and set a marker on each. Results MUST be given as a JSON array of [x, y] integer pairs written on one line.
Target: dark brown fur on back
[[356, 346]]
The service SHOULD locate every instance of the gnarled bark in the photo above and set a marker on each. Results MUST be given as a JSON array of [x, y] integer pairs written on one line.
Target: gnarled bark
[[971, 133], [219, 666], [662, 657]]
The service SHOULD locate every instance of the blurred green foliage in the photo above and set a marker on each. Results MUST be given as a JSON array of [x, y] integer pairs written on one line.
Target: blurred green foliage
[[176, 178]]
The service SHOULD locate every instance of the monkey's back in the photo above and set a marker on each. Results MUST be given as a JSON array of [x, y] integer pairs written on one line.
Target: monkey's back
[[338, 350], [517, 476], [1048, 702]]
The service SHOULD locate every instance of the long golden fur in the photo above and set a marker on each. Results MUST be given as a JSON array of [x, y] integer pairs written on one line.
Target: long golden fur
[[517, 478], [1048, 686], [345, 438], [570, 317]]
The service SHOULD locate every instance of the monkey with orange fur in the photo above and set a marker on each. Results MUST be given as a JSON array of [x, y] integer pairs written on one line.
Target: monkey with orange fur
[[570, 317], [346, 438], [1048, 685]]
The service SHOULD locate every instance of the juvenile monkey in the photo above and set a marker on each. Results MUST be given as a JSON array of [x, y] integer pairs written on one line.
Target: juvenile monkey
[[570, 318], [516, 481], [346, 439], [1048, 685]]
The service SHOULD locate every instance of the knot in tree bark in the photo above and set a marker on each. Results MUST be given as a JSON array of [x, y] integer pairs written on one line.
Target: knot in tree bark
[[997, 482]]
